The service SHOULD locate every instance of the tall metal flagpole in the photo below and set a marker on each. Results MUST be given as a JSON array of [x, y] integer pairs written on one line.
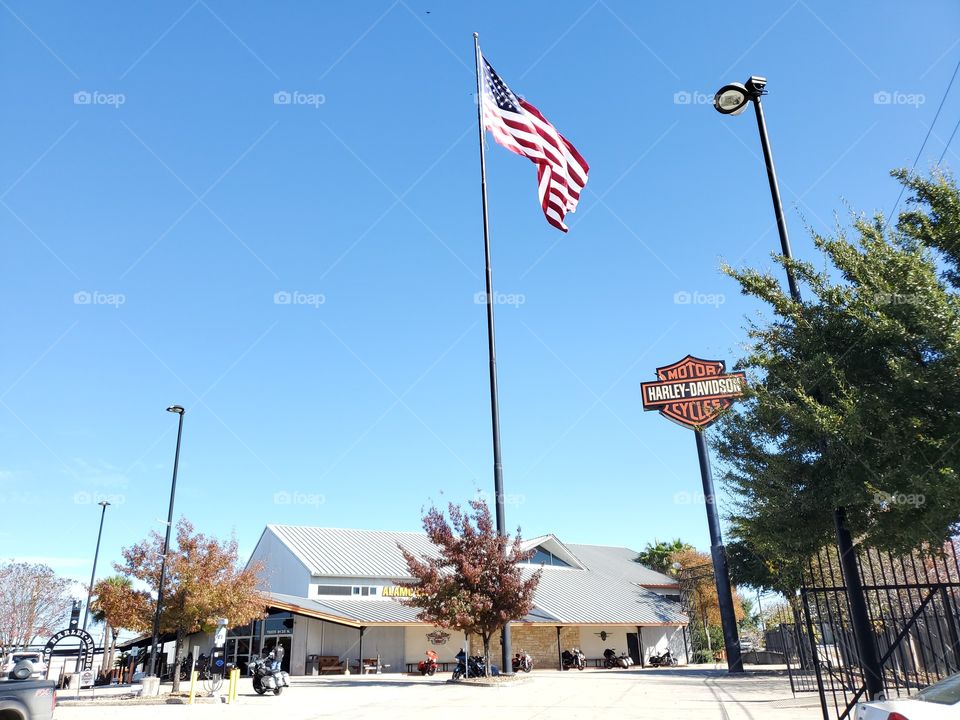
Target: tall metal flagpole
[[507, 652]]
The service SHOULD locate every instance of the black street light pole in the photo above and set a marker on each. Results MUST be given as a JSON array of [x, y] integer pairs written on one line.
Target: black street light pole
[[756, 86], [732, 99], [166, 544], [96, 554]]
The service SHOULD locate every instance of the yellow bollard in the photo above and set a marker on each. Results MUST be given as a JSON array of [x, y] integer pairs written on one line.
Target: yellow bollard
[[236, 681], [193, 685]]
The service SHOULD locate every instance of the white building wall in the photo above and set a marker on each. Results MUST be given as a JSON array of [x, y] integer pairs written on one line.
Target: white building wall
[[318, 637], [298, 644], [656, 640], [593, 646], [282, 570], [416, 644]]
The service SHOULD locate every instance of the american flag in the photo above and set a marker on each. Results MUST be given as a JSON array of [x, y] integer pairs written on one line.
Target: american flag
[[521, 128]]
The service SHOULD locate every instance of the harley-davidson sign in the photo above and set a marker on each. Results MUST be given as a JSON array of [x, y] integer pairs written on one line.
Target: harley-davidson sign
[[693, 392]]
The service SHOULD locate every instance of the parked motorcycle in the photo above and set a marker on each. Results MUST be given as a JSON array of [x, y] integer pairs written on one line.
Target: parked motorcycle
[[573, 658], [265, 678], [428, 666], [612, 660], [665, 660], [522, 661], [474, 666]]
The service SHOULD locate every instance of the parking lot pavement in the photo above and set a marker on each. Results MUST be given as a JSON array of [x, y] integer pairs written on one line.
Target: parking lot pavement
[[677, 694]]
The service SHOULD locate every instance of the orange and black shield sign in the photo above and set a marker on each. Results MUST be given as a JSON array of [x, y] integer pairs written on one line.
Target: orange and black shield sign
[[692, 392]]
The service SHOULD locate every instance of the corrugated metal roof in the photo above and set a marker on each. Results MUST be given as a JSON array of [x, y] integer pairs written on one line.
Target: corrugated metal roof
[[372, 612], [578, 597], [619, 562], [337, 552], [606, 592]]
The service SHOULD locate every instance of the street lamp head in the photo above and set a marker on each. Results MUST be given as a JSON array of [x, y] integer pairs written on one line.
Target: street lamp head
[[731, 99], [178, 409], [103, 503], [757, 85]]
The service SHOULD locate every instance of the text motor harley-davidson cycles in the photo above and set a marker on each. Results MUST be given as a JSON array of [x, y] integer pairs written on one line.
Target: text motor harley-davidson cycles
[[573, 658], [522, 661], [428, 666], [265, 678]]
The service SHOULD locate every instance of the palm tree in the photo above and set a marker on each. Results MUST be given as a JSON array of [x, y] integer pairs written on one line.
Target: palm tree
[[121, 584], [659, 555]]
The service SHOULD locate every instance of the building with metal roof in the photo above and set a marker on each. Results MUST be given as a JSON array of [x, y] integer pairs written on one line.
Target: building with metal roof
[[336, 594]]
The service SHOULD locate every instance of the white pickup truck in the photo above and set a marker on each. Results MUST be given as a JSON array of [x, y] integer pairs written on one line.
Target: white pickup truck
[[39, 667], [24, 699]]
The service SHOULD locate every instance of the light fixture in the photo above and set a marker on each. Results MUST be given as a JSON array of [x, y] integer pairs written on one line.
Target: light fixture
[[731, 99], [178, 409]]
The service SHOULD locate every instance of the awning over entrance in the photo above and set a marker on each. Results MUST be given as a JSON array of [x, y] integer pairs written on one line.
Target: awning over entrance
[[143, 641]]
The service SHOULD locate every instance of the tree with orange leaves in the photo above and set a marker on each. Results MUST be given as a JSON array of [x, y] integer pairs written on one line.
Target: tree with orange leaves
[[118, 606], [697, 580], [203, 583]]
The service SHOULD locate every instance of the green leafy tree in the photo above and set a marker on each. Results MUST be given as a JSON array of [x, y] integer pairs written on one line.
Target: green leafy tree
[[659, 555], [854, 394]]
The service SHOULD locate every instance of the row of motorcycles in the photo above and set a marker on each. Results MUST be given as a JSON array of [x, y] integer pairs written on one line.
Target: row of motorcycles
[[623, 660], [475, 665]]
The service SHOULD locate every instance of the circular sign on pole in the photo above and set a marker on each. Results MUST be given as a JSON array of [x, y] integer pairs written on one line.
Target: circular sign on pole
[[693, 392]]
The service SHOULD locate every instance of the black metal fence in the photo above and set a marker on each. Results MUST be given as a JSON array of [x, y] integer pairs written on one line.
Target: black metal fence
[[914, 607]]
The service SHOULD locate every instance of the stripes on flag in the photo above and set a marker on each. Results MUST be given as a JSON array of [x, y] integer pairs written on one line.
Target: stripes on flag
[[522, 129]]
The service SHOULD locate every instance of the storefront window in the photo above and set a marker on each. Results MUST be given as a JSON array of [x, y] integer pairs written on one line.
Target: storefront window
[[278, 624], [240, 630]]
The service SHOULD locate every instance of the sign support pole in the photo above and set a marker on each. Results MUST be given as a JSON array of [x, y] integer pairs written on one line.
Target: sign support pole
[[728, 619]]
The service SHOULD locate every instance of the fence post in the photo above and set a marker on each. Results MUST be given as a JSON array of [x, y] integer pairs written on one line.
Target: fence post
[[815, 657], [948, 610], [862, 632]]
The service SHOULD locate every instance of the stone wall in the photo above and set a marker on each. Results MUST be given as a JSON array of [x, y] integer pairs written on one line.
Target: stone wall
[[539, 641]]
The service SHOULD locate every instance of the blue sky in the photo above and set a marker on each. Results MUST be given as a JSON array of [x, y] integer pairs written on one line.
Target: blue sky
[[158, 208]]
